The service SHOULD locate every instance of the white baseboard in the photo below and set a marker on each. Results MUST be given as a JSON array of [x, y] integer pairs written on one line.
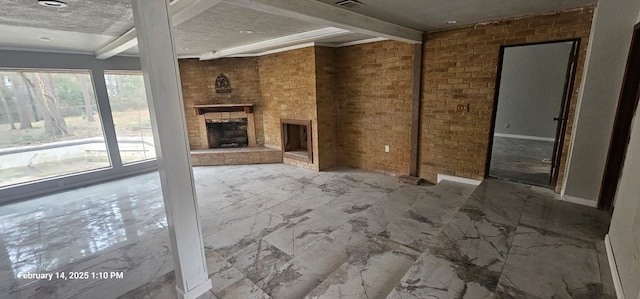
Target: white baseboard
[[613, 267], [444, 177], [580, 201], [524, 137]]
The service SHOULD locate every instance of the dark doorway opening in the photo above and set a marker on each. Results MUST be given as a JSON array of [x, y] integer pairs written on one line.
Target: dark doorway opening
[[531, 107], [621, 133]]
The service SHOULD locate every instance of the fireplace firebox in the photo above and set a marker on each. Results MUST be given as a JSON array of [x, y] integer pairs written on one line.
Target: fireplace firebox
[[230, 133], [226, 125]]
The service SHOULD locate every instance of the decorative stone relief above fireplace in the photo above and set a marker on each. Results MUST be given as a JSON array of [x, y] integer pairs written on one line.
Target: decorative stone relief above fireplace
[[226, 125]]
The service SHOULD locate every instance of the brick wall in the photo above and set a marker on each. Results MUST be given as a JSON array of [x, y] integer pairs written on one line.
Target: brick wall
[[374, 98], [198, 87], [358, 97], [460, 67], [288, 84], [327, 107]]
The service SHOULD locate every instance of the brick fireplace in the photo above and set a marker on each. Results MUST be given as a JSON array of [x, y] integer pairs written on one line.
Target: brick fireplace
[[228, 133], [226, 125]]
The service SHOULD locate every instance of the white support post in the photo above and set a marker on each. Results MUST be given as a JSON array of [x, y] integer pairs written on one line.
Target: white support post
[[164, 95]]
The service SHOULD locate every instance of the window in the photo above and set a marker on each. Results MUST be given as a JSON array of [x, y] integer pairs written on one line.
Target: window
[[130, 116], [49, 126]]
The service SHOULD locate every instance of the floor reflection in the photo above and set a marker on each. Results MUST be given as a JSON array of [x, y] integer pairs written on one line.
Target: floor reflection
[[343, 229], [53, 232]]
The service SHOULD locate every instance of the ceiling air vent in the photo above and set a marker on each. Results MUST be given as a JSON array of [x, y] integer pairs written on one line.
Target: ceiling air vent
[[350, 3]]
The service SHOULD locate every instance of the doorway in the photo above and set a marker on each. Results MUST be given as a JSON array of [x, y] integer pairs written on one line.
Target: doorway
[[530, 111], [621, 133]]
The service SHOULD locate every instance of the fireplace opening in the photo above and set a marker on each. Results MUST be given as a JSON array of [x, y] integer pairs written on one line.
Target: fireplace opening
[[296, 139], [228, 133]]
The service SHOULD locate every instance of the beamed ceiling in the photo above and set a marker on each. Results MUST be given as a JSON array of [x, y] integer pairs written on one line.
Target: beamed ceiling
[[210, 29]]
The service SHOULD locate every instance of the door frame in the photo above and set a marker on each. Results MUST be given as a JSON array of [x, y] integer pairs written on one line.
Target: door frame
[[572, 65], [563, 116], [621, 131]]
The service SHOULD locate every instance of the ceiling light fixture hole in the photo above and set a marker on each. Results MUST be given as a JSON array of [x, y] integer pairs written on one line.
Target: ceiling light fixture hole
[[246, 31], [52, 3], [452, 22]]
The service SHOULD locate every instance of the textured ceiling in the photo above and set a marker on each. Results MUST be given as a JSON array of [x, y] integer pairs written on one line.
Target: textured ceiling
[[433, 14], [218, 28], [87, 25], [12, 37], [104, 17]]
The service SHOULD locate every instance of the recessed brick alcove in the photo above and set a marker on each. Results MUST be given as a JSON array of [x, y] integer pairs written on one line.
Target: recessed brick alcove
[[297, 142]]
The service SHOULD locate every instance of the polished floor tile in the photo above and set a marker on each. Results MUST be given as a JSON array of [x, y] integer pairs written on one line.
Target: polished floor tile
[[276, 231], [508, 241], [563, 267], [521, 160]]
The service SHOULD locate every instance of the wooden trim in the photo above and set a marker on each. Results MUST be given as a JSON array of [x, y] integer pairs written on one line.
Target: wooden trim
[[494, 113], [204, 136], [561, 130], [251, 130], [566, 40], [204, 109], [299, 122], [290, 155], [621, 132]]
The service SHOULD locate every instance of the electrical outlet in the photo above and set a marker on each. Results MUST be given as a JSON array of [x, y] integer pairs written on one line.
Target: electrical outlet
[[60, 183], [386, 148], [507, 125], [460, 108]]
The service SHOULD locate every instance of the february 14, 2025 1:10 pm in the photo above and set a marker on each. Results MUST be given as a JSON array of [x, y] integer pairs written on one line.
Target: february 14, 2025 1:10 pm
[[71, 275]]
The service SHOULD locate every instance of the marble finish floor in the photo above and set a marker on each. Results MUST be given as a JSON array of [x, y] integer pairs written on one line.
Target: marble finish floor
[[276, 231], [508, 241], [521, 160]]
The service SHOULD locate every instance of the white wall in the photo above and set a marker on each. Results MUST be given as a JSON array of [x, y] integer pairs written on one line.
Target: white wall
[[531, 88], [624, 232], [607, 55], [606, 58]]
